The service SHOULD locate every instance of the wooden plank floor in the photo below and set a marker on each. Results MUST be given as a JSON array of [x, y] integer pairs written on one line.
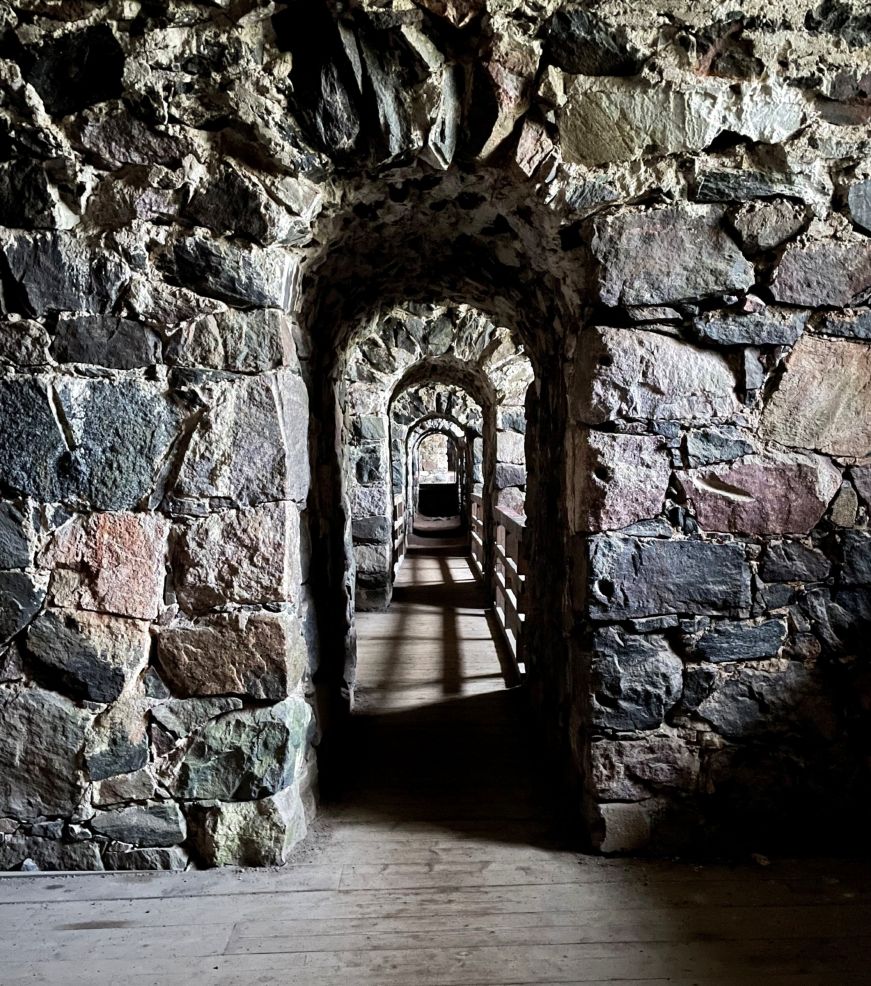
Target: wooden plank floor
[[440, 864]]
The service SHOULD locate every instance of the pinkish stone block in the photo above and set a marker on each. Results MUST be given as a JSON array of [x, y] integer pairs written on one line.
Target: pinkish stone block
[[778, 493], [109, 563]]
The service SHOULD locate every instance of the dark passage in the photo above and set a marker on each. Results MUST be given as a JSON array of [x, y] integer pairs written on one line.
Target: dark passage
[[437, 742], [438, 499]]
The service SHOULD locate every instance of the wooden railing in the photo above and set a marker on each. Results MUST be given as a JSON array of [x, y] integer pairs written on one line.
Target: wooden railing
[[509, 572], [399, 532], [477, 533], [509, 580]]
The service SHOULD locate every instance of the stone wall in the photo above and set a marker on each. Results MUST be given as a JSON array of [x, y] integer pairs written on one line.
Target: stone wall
[[204, 205]]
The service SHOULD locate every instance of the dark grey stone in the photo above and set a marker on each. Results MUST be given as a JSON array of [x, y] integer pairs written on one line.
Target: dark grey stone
[[369, 428], [636, 680], [57, 272], [653, 624], [233, 203], [583, 196], [774, 595], [698, 683], [148, 826], [847, 324], [368, 465], [764, 224], [45, 732], [117, 744], [724, 444], [48, 854], [754, 371], [245, 754], [859, 204], [513, 420], [251, 447], [631, 578], [770, 327], [857, 559], [172, 858], [15, 551], [242, 341], [53, 829], [667, 255], [580, 42], [31, 443], [833, 272], [154, 685], [792, 561], [733, 709], [20, 600], [742, 186], [23, 342], [755, 704], [181, 716], [741, 641], [123, 431], [120, 755], [325, 88], [105, 340], [656, 527], [26, 200], [836, 17], [505, 474], [115, 137], [85, 659], [239, 275], [439, 336], [75, 70], [372, 530], [849, 616]]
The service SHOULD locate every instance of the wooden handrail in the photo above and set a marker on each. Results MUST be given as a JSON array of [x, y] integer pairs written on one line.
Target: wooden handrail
[[509, 571], [399, 532], [477, 532]]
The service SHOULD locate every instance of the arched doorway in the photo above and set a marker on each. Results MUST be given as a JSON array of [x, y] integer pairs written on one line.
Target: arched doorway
[[470, 379]]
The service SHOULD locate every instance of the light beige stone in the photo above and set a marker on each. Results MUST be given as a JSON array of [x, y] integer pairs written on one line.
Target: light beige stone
[[262, 655], [249, 833], [238, 556], [630, 769], [627, 826], [845, 506], [607, 120], [824, 398], [638, 375], [373, 558], [511, 447]]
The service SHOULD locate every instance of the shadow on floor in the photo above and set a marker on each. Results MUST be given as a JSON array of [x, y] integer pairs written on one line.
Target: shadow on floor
[[468, 765], [464, 762]]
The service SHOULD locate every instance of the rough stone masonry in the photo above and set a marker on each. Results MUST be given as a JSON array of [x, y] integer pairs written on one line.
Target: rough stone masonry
[[208, 208]]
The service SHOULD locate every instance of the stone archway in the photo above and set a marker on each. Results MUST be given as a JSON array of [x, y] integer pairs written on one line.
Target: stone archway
[[683, 253], [378, 373], [457, 454]]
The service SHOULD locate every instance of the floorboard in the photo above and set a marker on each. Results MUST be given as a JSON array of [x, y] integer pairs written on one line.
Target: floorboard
[[439, 864]]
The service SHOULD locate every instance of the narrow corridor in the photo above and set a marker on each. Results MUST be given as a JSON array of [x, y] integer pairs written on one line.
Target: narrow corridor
[[438, 741]]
